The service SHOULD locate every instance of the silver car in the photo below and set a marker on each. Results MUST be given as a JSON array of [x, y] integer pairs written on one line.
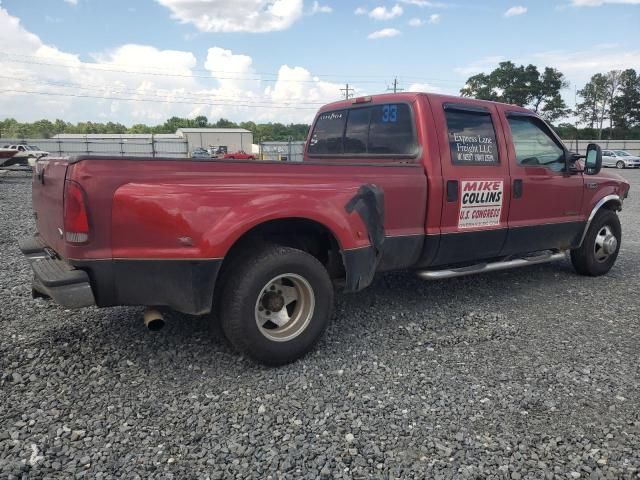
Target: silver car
[[619, 159]]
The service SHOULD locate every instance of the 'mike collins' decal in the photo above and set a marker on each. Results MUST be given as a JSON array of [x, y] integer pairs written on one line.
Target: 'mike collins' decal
[[480, 203]]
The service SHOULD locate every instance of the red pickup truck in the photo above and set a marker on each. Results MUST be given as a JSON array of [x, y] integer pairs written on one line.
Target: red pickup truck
[[444, 186]]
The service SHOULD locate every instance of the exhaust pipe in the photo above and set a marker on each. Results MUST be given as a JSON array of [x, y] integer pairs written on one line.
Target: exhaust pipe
[[153, 319]]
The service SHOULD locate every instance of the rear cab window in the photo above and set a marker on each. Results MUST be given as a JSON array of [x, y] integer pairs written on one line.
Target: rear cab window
[[381, 130]]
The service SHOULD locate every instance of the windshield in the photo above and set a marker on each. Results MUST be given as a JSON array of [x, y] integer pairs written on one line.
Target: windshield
[[622, 153]]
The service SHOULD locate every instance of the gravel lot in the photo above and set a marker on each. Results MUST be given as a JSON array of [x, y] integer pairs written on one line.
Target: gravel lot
[[530, 373]]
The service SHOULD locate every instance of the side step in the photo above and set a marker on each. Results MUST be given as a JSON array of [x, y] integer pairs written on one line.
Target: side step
[[490, 267]]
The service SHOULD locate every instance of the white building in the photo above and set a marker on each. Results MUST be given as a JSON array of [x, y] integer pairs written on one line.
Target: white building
[[230, 139]]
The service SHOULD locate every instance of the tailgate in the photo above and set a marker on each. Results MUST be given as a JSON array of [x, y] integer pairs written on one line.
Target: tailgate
[[48, 197]]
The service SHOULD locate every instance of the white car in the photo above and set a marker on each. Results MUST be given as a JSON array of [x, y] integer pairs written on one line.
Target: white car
[[619, 159], [30, 152]]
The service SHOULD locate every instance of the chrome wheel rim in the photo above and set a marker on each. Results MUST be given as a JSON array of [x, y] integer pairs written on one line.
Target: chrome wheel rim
[[620, 165], [284, 307], [606, 244]]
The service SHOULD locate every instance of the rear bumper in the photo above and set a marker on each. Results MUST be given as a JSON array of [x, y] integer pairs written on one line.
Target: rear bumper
[[55, 278], [184, 285]]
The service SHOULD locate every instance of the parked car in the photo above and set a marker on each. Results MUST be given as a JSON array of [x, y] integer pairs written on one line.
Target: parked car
[[240, 155], [7, 157], [200, 153], [28, 152], [444, 186], [619, 159]]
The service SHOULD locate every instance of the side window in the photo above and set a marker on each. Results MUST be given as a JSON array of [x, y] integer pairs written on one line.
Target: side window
[[391, 130], [327, 133], [472, 137], [533, 143], [356, 135]]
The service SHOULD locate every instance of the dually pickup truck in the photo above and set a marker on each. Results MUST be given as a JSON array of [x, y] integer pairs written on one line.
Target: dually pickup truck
[[440, 185]]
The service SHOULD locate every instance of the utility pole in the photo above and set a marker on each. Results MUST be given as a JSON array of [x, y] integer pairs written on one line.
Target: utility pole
[[346, 91], [395, 88], [575, 113]]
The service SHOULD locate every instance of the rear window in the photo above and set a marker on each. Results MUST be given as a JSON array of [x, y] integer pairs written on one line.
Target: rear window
[[386, 129], [327, 133]]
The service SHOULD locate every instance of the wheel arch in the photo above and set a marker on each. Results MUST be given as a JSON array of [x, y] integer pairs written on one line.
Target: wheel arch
[[610, 202], [305, 234]]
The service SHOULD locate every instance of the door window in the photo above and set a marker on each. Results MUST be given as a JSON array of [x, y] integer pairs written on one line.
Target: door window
[[533, 143], [472, 138]]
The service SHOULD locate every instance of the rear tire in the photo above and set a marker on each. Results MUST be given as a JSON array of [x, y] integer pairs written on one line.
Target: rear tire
[[600, 247], [284, 284], [620, 164]]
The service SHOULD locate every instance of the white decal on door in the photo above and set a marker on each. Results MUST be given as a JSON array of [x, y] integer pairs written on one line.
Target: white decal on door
[[480, 203]]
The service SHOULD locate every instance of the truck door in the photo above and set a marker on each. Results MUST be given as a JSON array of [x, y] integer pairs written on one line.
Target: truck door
[[475, 181], [545, 210]]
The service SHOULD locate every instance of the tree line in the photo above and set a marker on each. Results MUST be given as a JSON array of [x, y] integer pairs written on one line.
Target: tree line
[[11, 128], [608, 106]]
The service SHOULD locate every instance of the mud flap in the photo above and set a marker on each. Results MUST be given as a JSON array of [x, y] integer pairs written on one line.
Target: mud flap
[[361, 264]]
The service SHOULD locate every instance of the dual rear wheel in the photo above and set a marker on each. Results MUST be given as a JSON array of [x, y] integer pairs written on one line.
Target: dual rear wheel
[[276, 304]]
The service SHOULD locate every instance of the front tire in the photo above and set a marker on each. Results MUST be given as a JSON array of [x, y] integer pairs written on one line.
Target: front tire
[[276, 304], [620, 165], [601, 245]]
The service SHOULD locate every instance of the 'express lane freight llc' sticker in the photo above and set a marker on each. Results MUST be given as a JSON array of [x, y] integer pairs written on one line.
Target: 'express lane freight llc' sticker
[[481, 203]]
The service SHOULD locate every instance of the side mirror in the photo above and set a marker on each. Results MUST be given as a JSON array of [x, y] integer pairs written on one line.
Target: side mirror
[[593, 159]]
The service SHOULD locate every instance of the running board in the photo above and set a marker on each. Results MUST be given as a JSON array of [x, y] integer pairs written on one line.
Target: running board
[[489, 267]]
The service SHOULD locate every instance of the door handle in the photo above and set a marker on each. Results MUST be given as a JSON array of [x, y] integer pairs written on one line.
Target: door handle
[[452, 190], [517, 188]]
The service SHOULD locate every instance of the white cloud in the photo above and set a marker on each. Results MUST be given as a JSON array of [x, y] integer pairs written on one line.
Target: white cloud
[[435, 18], [236, 15], [415, 22], [598, 3], [71, 2], [515, 11], [317, 8], [424, 3], [384, 33], [424, 87], [383, 13], [485, 64], [360, 11], [581, 65], [134, 84]]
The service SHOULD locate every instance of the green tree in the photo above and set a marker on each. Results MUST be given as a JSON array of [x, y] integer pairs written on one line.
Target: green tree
[[597, 96], [625, 109], [524, 86]]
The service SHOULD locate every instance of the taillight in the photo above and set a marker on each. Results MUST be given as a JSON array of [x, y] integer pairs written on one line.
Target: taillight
[[76, 219]]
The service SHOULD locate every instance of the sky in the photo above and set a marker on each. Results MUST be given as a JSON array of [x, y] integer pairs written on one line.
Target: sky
[[144, 61]]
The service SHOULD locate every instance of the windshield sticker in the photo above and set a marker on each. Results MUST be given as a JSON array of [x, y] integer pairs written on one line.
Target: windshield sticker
[[473, 148], [480, 203], [331, 116]]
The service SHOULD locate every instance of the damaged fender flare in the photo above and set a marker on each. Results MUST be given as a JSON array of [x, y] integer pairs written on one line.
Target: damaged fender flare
[[361, 264]]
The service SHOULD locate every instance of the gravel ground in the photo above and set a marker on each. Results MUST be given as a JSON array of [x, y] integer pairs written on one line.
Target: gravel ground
[[528, 373]]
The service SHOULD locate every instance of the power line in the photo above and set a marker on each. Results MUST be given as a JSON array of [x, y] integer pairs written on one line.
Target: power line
[[160, 71], [252, 76], [101, 88], [155, 100]]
